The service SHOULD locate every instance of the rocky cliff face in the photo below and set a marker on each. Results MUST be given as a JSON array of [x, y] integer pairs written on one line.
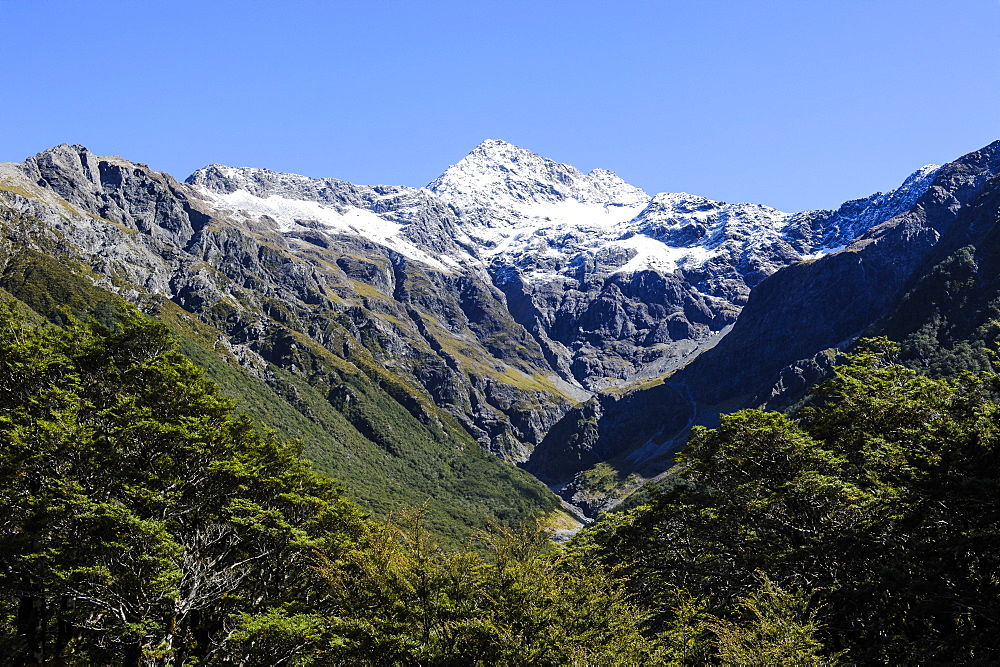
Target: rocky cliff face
[[794, 321], [507, 292], [617, 285], [283, 252]]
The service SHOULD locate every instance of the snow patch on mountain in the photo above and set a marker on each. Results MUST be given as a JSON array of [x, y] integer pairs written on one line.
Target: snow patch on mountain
[[818, 233], [550, 221], [296, 215], [293, 203], [503, 192], [652, 255]]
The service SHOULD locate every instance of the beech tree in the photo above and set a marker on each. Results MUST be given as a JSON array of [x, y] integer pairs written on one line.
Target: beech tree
[[515, 599], [146, 523], [141, 516], [881, 502]]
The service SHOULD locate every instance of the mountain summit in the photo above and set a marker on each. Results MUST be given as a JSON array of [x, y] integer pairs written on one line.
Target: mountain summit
[[512, 302], [499, 178]]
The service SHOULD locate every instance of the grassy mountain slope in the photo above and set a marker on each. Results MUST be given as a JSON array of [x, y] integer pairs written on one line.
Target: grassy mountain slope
[[352, 423]]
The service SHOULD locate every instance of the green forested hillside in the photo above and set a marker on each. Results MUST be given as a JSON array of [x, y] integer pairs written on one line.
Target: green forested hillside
[[878, 510], [951, 317], [146, 522], [390, 448]]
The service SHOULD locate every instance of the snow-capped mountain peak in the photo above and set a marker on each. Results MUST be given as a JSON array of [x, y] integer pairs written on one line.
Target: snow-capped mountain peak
[[549, 219], [508, 197], [497, 174], [504, 205]]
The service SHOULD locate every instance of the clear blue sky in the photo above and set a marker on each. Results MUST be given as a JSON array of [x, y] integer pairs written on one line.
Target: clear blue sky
[[792, 103]]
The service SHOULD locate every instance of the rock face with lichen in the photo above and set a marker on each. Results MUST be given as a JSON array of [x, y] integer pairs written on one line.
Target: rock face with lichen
[[519, 295]]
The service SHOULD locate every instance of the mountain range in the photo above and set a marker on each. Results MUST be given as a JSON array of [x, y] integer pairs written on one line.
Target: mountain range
[[436, 345]]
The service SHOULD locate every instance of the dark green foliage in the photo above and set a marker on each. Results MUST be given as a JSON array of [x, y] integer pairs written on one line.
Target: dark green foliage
[[145, 523], [52, 289], [358, 423], [883, 501], [949, 320], [139, 513]]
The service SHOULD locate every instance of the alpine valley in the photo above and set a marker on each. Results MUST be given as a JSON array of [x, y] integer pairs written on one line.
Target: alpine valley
[[517, 338]]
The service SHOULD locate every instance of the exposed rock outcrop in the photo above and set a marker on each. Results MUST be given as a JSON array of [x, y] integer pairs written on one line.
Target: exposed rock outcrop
[[507, 292]]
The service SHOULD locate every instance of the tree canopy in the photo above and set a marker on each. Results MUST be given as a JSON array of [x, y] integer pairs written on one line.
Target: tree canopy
[[145, 522], [140, 514], [880, 504]]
